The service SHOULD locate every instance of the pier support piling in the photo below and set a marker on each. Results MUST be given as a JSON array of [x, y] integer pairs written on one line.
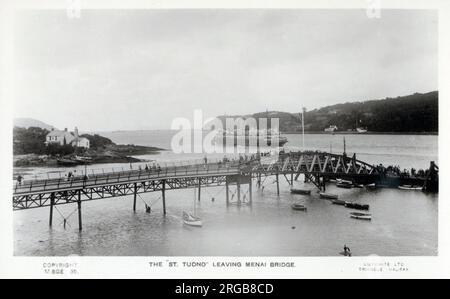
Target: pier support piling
[[292, 178], [238, 186], [250, 189], [80, 224], [164, 196], [199, 188], [227, 188], [135, 195], [278, 184], [52, 203]]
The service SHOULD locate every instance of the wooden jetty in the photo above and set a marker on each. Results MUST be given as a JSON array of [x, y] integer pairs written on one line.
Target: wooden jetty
[[317, 167]]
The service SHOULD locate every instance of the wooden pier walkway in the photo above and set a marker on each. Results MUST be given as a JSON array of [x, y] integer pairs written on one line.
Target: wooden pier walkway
[[317, 167]]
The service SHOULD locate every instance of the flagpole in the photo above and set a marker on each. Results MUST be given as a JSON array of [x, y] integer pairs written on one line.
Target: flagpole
[[303, 128]]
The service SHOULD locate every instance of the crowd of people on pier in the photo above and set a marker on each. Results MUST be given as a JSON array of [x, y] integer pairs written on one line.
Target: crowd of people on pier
[[394, 170]]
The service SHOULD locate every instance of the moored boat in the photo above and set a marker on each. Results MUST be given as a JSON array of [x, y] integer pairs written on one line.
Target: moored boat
[[358, 206], [83, 159], [362, 216], [410, 187], [191, 220], [344, 185], [301, 191], [371, 186], [298, 207], [328, 195], [345, 253], [67, 162], [344, 181], [338, 202]]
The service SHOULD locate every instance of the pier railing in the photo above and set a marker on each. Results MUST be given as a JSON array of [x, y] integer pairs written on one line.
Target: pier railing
[[82, 181]]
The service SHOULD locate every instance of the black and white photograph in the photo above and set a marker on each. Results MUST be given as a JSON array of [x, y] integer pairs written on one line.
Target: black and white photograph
[[258, 132]]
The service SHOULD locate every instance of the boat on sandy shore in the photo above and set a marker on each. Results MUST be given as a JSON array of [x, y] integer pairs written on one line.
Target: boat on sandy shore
[[301, 191], [298, 207], [328, 195], [410, 187], [358, 206], [362, 216]]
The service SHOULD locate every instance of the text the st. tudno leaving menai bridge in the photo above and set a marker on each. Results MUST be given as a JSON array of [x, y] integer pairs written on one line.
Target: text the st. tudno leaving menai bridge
[[317, 168]]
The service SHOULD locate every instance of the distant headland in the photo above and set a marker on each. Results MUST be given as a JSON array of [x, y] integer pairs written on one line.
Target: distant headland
[[417, 113], [43, 145]]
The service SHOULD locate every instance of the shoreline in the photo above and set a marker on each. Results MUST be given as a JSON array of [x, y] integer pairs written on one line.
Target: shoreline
[[366, 133], [111, 154]]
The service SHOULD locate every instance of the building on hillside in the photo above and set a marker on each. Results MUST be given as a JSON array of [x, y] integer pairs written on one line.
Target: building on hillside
[[66, 137]]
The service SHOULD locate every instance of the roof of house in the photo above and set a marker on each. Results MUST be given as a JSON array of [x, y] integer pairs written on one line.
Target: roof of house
[[59, 133]]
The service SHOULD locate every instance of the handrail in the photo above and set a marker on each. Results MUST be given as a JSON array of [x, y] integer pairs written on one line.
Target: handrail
[[181, 168], [136, 175]]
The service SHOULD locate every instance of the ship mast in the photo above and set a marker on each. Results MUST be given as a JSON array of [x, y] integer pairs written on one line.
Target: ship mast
[[303, 128], [344, 146]]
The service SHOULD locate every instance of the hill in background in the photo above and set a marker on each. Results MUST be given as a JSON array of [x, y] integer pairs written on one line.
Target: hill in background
[[25, 122], [413, 113]]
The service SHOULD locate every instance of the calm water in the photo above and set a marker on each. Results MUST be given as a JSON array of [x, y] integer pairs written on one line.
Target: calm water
[[403, 223]]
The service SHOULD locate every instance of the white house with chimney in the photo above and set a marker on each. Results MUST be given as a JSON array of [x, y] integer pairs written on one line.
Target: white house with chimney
[[66, 137]]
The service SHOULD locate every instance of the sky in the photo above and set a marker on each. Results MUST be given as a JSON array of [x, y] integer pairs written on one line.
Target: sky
[[140, 69]]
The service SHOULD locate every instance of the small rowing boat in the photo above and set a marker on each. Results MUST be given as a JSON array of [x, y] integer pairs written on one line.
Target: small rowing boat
[[344, 181], [371, 186], [342, 185], [298, 207], [345, 253], [67, 162], [409, 187], [328, 195], [354, 205], [338, 202], [301, 191], [191, 220], [362, 216]]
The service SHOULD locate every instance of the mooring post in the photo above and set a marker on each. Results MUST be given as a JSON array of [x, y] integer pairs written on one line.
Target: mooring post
[[250, 189], [135, 195], [227, 188], [259, 180], [52, 202], [278, 184], [80, 224], [164, 196], [238, 186], [199, 188]]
